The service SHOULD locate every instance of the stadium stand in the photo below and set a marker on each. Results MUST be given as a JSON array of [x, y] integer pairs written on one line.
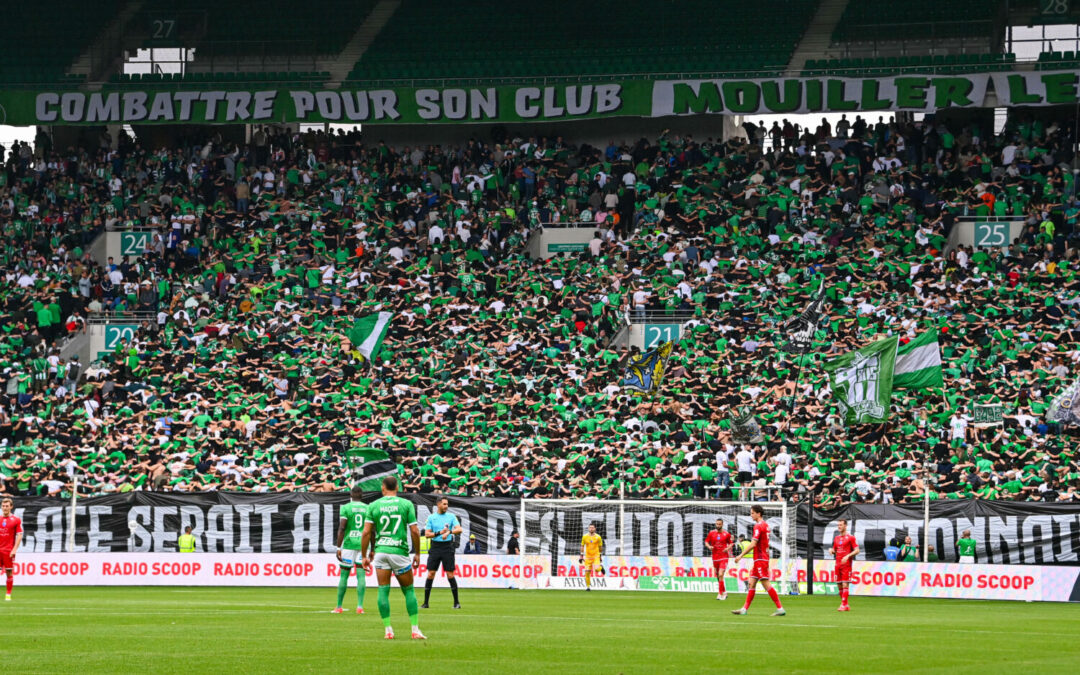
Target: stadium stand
[[497, 377], [553, 38], [915, 20], [302, 28], [28, 59]]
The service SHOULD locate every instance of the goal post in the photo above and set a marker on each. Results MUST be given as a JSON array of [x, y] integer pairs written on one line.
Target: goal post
[[664, 538]]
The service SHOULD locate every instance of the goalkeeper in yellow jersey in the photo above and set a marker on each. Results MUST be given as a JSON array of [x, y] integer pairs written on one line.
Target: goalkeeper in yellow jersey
[[592, 547]]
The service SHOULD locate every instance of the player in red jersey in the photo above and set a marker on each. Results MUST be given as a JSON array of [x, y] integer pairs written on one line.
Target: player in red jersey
[[844, 548], [759, 544], [10, 537], [719, 541]]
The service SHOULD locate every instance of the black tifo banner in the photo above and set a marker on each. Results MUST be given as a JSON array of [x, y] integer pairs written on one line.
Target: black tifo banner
[[1006, 532], [1013, 533]]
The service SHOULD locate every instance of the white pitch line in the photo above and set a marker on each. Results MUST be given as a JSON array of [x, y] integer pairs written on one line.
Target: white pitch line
[[96, 612], [189, 606]]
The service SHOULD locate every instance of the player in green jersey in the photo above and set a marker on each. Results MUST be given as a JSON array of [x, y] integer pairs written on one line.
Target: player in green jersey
[[390, 524], [350, 536]]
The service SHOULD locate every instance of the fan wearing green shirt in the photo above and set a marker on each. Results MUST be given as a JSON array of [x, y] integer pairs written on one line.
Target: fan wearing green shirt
[[909, 552], [388, 530], [965, 547]]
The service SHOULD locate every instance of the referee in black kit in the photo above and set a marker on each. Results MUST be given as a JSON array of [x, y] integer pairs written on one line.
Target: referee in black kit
[[441, 527]]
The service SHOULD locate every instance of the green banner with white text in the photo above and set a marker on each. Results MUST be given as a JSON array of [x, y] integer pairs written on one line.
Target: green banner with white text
[[224, 104], [915, 93], [397, 105]]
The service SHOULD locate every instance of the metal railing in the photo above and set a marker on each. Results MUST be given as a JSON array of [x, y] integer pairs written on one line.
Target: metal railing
[[773, 493], [293, 63], [660, 316], [574, 223], [204, 62], [109, 316]]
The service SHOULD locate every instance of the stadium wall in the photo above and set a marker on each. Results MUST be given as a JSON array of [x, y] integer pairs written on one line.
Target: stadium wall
[[1026, 533]]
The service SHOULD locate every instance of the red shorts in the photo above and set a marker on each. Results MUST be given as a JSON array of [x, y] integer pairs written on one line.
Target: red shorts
[[843, 573], [719, 564], [760, 570], [5, 560]]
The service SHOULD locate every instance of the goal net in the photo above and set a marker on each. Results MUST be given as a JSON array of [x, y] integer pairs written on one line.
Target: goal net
[[651, 538]]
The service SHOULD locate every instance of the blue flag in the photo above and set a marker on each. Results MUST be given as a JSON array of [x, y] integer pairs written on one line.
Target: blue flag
[[645, 372]]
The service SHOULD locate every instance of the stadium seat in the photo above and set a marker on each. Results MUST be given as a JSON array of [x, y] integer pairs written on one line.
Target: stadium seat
[[874, 22]]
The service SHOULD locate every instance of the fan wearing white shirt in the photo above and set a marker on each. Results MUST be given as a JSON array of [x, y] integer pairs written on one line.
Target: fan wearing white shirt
[[780, 474], [958, 425], [744, 463]]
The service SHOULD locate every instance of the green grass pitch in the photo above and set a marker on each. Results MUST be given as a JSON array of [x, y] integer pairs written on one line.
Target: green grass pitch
[[276, 630]]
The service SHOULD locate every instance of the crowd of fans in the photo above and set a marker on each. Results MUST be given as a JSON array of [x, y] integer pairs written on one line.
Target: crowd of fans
[[498, 376]]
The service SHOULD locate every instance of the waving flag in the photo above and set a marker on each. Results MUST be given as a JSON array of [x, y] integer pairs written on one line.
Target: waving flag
[[370, 466], [646, 371], [1065, 409], [368, 333], [745, 429], [862, 381], [800, 330], [918, 363]]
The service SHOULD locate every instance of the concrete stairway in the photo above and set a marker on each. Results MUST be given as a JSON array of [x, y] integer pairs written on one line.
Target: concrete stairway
[[365, 35], [818, 34], [79, 344], [100, 56]]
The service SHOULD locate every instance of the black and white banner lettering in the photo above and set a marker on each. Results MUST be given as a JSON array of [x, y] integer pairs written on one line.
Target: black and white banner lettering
[[150, 522], [1014, 533], [1017, 533]]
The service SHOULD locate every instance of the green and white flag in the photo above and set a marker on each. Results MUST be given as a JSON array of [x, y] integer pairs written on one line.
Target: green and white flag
[[370, 466], [1065, 409], [862, 381], [368, 333], [918, 363]]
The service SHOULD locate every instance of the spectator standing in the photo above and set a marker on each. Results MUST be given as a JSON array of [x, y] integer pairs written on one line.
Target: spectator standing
[[909, 552], [186, 541], [892, 552], [965, 548]]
